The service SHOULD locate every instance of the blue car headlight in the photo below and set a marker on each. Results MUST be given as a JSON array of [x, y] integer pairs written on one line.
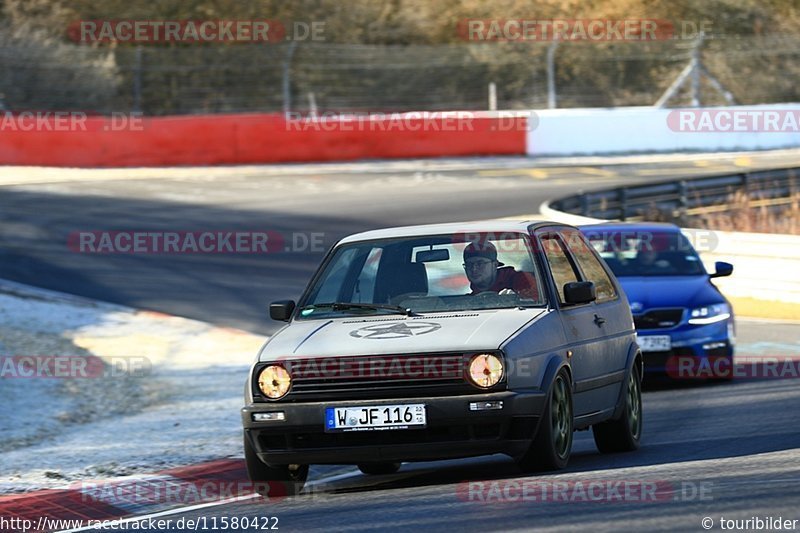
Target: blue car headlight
[[709, 314]]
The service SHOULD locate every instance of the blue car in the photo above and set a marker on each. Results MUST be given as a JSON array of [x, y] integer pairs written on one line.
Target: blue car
[[680, 315]]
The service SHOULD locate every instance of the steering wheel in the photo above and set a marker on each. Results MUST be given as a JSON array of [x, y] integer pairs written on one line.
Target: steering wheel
[[489, 294]]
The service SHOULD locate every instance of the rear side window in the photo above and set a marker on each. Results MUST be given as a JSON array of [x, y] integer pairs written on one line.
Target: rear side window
[[559, 264], [590, 265]]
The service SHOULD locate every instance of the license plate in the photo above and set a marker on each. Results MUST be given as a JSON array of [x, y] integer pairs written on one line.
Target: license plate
[[375, 417], [654, 343]]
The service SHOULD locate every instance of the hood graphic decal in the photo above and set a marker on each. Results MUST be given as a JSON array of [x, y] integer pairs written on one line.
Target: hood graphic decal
[[399, 330]]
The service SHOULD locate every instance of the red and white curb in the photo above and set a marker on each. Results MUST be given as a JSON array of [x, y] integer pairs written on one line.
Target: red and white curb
[[118, 501], [211, 482]]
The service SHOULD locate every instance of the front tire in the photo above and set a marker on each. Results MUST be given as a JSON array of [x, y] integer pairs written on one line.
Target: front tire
[[625, 433], [552, 446], [273, 481]]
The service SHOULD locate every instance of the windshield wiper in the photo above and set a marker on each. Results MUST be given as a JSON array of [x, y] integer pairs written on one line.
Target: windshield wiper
[[341, 306]]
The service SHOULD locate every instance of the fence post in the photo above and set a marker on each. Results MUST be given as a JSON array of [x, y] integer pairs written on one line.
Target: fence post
[[287, 88], [692, 71], [312, 105], [696, 70], [492, 96], [551, 75], [137, 80]]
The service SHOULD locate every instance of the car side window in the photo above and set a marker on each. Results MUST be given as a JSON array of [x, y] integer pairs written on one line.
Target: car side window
[[560, 266], [590, 265]]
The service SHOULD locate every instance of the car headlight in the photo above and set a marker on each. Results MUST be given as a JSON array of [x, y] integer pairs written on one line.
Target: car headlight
[[709, 314], [485, 370], [274, 381]]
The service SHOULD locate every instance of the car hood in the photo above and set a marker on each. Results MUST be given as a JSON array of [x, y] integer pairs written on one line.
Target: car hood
[[464, 330], [669, 291]]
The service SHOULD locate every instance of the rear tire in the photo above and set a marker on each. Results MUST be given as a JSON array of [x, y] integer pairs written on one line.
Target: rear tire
[[625, 433], [379, 469], [552, 445], [273, 481]]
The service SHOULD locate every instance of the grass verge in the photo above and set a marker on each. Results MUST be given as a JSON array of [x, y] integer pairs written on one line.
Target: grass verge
[[755, 308]]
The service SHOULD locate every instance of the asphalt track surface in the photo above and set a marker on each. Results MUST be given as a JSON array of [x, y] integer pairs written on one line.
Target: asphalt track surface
[[714, 451], [329, 201]]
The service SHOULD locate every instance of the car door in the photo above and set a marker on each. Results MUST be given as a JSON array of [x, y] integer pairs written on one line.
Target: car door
[[607, 332], [596, 373], [577, 320]]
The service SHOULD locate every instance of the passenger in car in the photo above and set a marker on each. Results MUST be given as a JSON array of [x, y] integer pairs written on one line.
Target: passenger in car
[[487, 274]]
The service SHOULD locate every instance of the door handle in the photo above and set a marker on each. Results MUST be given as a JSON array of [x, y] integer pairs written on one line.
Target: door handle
[[599, 321]]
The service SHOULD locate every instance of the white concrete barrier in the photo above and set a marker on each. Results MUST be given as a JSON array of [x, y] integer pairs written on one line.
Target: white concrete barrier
[[766, 266], [563, 132]]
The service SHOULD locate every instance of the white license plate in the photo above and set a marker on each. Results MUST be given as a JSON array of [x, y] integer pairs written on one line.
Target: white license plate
[[375, 417], [654, 343]]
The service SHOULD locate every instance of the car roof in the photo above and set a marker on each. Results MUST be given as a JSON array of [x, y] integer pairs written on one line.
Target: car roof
[[654, 227], [476, 226]]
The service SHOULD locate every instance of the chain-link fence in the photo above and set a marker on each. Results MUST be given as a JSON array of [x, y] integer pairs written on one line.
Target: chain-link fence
[[323, 77]]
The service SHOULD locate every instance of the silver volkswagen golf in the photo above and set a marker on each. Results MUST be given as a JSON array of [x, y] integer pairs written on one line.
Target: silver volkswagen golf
[[445, 341]]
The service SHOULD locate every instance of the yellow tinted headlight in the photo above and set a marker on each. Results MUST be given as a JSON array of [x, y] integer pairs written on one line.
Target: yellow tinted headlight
[[274, 381], [485, 370]]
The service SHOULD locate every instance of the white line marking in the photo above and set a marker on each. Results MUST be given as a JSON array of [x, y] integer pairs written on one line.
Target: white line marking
[[179, 510], [162, 513], [767, 320], [337, 477]]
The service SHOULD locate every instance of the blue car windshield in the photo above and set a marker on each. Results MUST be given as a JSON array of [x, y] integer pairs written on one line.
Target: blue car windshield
[[646, 253], [425, 274]]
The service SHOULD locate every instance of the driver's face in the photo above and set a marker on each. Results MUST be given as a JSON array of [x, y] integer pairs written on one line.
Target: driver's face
[[481, 271], [648, 257]]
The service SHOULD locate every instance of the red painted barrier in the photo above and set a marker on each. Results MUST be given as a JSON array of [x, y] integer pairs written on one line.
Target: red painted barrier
[[259, 138]]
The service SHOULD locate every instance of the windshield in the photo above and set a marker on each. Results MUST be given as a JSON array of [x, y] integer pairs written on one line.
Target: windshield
[[647, 253], [426, 274]]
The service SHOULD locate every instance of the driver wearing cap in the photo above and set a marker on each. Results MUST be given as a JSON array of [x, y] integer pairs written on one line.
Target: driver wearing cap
[[486, 274]]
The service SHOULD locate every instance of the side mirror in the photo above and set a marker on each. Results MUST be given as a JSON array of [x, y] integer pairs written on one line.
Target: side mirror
[[579, 292], [722, 269], [281, 310]]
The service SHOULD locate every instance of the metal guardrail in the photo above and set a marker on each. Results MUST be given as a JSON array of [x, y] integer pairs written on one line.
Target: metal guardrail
[[680, 198]]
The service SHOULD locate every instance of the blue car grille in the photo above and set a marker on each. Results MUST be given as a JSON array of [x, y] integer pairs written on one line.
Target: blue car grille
[[659, 318]]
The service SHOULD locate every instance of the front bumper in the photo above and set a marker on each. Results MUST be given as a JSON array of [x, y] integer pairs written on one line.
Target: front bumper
[[698, 342], [452, 431]]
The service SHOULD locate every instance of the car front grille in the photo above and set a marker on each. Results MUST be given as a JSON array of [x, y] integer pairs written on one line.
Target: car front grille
[[659, 318], [381, 376]]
